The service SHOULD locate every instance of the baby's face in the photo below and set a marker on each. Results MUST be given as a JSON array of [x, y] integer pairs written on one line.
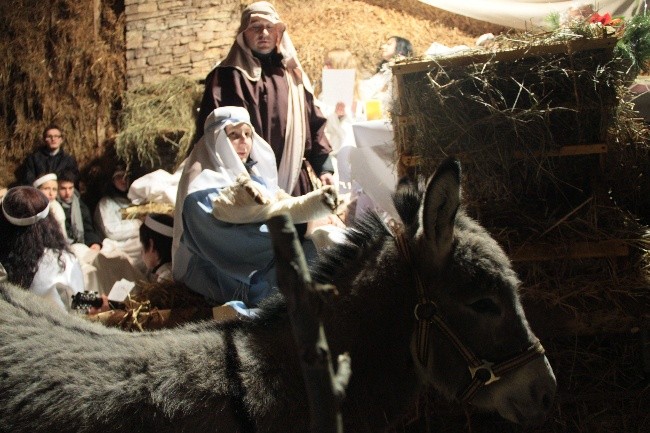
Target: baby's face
[[241, 137]]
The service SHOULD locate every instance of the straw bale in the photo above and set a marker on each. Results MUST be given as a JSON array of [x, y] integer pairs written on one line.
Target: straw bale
[[157, 119], [552, 157], [141, 211], [59, 65]]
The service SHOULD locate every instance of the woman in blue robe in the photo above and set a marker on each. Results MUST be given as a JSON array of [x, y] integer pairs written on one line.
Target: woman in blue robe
[[221, 247]]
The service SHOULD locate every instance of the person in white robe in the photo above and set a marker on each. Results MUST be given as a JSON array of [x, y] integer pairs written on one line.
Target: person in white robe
[[35, 254], [119, 234], [379, 87]]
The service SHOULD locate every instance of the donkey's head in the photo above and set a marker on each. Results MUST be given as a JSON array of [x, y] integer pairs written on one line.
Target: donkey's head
[[472, 340]]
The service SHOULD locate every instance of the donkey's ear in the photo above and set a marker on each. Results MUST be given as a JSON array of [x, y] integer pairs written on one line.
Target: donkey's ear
[[438, 211]]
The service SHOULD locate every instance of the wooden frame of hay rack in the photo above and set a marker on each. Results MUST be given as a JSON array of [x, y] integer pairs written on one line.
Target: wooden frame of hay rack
[[536, 126]]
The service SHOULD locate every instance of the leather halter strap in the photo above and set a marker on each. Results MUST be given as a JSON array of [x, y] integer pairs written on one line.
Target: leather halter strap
[[426, 313]]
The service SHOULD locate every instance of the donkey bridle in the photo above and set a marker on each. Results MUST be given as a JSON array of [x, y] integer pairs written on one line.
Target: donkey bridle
[[426, 313]]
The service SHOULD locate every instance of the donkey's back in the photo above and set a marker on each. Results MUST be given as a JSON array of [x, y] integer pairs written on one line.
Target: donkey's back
[[61, 373]]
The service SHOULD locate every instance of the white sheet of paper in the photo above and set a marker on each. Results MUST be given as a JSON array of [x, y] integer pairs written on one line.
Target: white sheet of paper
[[120, 290], [338, 86]]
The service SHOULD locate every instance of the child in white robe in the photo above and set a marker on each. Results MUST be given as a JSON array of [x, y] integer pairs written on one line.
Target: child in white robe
[[35, 254], [48, 184]]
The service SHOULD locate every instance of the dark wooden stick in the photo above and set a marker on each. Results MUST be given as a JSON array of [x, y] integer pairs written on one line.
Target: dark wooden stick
[[324, 389]]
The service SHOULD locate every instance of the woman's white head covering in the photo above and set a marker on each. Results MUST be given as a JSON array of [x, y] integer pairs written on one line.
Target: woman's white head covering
[[224, 162], [45, 178], [214, 163]]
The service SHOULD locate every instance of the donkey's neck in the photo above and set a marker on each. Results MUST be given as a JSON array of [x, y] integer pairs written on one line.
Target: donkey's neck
[[373, 321]]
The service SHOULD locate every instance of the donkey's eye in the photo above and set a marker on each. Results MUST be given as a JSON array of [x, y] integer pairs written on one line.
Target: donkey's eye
[[485, 306]]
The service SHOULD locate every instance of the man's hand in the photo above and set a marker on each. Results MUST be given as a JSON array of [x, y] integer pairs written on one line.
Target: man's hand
[[340, 109], [327, 178]]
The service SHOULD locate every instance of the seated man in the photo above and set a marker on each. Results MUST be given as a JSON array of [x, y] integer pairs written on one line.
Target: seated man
[[229, 186], [78, 219]]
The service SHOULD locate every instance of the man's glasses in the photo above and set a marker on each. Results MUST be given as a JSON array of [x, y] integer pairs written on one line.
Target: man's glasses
[[53, 136]]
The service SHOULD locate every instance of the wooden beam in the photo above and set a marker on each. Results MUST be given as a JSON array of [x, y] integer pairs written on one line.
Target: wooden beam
[[410, 160], [475, 56], [573, 250], [571, 150]]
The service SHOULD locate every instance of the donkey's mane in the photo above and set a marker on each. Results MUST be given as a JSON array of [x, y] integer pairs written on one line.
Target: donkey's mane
[[361, 238], [366, 235], [407, 200]]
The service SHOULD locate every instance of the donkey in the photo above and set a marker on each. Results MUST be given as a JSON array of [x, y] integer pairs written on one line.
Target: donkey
[[431, 302]]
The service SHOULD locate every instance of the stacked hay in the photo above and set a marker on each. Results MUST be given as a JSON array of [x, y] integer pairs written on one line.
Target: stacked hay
[[534, 126], [550, 151], [158, 124], [62, 62], [361, 26]]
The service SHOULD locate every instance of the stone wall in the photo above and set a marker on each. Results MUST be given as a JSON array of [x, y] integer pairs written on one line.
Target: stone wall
[[177, 37]]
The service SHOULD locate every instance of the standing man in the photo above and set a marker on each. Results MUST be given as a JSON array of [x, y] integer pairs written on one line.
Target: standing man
[[49, 158], [262, 74]]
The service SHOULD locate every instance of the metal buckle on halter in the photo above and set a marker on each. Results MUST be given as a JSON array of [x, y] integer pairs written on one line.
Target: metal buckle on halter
[[484, 373], [425, 311]]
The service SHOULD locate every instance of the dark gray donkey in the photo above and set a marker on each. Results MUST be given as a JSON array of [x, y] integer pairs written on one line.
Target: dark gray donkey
[[431, 303]]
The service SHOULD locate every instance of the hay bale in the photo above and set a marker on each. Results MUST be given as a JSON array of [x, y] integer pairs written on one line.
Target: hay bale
[[535, 120], [63, 62], [526, 101], [158, 120]]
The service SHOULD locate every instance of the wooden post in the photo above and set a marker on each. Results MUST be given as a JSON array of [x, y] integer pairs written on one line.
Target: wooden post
[[304, 301], [97, 14]]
